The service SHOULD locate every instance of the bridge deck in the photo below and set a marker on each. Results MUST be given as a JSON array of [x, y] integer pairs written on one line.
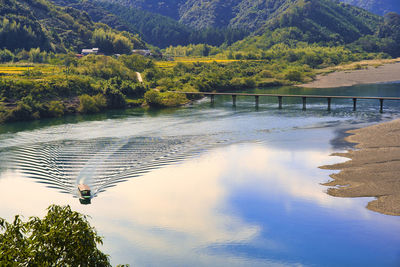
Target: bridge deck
[[284, 95], [304, 97]]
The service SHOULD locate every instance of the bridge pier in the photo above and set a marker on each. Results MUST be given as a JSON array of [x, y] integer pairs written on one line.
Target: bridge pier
[[280, 102], [354, 104], [329, 103], [304, 98]]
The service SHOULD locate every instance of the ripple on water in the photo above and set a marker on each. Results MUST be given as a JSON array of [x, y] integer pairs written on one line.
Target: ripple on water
[[102, 163]]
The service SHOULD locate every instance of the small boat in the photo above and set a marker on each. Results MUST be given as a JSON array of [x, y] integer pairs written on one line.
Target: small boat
[[84, 191], [85, 201]]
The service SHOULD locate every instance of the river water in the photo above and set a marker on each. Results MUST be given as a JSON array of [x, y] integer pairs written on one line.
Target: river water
[[207, 185]]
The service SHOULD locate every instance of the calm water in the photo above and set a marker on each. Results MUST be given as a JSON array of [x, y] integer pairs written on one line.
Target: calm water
[[207, 185]]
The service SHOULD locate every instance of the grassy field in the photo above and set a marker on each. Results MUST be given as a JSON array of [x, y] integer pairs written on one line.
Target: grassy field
[[10, 71], [171, 64]]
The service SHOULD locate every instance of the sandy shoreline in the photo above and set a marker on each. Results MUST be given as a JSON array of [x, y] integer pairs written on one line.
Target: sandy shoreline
[[381, 74], [374, 169]]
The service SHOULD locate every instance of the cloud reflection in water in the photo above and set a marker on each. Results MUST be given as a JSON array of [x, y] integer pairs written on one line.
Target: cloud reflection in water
[[179, 213]]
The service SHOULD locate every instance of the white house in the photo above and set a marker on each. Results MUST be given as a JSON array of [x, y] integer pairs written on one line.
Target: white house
[[143, 52], [90, 51]]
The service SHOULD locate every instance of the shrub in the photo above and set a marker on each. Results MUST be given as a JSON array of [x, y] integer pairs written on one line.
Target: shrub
[[56, 108], [265, 74], [152, 98], [22, 112], [167, 99], [104, 67], [294, 76], [114, 97], [87, 104], [100, 101], [6, 56], [131, 89], [170, 99]]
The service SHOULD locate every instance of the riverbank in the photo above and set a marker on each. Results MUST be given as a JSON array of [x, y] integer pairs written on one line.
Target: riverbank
[[364, 72], [373, 169]]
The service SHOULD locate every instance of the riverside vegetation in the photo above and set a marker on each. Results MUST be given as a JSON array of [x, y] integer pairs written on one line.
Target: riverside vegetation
[[41, 76], [66, 85]]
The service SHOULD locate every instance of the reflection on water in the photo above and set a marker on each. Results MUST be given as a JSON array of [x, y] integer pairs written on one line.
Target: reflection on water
[[85, 201], [104, 162], [213, 186]]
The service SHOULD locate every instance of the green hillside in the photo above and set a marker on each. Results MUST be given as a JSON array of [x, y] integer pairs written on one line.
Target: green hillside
[[245, 14], [326, 20], [380, 7], [313, 21], [26, 24], [201, 14], [155, 29], [97, 14], [29, 24], [169, 8]]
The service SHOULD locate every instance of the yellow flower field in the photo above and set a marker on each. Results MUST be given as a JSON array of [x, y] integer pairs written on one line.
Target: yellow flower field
[[12, 70], [171, 64], [7, 70]]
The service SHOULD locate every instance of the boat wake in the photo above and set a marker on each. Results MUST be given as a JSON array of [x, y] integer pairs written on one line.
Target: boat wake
[[104, 162]]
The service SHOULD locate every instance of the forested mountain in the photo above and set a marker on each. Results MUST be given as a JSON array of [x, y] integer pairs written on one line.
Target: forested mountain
[[245, 14], [98, 14], [155, 29], [380, 7], [314, 21], [201, 14], [26, 24], [326, 21], [169, 8]]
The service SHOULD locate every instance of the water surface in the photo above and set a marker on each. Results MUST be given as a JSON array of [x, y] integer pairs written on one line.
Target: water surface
[[207, 185]]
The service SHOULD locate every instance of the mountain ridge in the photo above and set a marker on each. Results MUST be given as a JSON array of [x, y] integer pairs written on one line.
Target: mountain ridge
[[247, 14]]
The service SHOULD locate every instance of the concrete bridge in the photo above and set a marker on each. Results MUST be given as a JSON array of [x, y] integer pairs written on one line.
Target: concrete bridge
[[303, 97]]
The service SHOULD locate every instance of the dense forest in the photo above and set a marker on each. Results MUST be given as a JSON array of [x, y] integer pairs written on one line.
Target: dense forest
[[313, 21], [225, 22], [201, 14], [380, 7], [39, 24], [247, 14], [155, 29]]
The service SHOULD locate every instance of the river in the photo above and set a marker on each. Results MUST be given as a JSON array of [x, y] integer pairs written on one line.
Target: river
[[207, 185]]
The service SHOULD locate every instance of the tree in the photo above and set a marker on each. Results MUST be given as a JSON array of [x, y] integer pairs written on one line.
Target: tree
[[62, 238], [56, 108], [122, 45], [6, 56], [115, 98], [92, 104], [70, 60]]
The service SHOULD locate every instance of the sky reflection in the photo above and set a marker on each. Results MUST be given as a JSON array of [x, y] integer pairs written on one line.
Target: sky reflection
[[240, 205]]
